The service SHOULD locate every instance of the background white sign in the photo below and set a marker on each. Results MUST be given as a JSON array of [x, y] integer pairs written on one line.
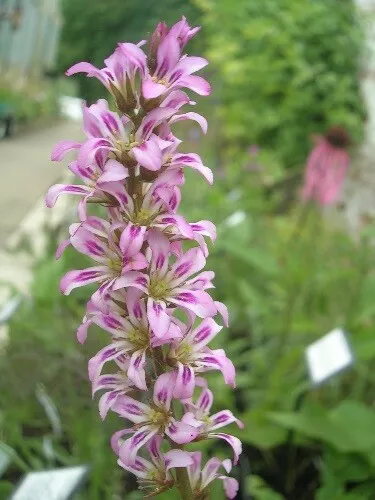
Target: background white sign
[[328, 356], [58, 484]]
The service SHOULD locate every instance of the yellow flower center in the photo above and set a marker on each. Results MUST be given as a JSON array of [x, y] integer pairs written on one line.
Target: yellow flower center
[[140, 338], [143, 217], [158, 288], [183, 352]]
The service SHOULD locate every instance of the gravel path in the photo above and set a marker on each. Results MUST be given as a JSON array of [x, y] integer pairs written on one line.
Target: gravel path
[[26, 171]]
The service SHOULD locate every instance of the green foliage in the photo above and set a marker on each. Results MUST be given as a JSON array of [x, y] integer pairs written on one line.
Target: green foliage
[[92, 29], [285, 69]]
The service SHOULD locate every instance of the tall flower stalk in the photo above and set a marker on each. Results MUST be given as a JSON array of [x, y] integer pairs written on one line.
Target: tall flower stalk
[[151, 296]]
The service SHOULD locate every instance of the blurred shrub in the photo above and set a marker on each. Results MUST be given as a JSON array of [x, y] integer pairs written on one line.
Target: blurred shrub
[[284, 69], [30, 102]]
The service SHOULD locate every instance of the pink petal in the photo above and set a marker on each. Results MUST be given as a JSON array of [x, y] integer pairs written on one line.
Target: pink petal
[[152, 120], [159, 245], [177, 458], [168, 55], [223, 311], [148, 155], [154, 448], [82, 331], [202, 122], [135, 306], [112, 323], [55, 191], [175, 100], [133, 410], [223, 418], [62, 148], [184, 382], [96, 363], [205, 400], [107, 401], [194, 469], [129, 449], [231, 486], [209, 471], [131, 239], [131, 278], [195, 83], [179, 222], [188, 65], [88, 244], [204, 333], [159, 320], [113, 171], [193, 161], [219, 362], [234, 442], [61, 248], [136, 370], [197, 301], [202, 281], [190, 263], [163, 390], [116, 439], [151, 90], [180, 432], [135, 55], [141, 467], [85, 67], [74, 279]]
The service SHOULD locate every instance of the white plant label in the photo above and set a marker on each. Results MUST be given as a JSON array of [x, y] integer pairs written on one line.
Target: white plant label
[[328, 356], [57, 484]]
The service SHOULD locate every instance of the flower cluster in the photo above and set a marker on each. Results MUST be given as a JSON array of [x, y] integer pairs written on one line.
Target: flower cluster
[[151, 295], [326, 167]]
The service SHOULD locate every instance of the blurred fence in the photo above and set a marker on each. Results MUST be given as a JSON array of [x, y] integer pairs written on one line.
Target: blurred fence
[[29, 34]]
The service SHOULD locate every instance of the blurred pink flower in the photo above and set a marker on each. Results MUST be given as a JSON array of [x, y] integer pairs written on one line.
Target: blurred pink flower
[[326, 167]]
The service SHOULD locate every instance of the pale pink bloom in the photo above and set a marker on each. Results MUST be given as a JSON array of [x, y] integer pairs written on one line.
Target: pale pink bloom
[[191, 355], [106, 131], [115, 384], [154, 476], [198, 415], [101, 178], [120, 70], [131, 337], [200, 480], [151, 419], [118, 258], [169, 69], [173, 284]]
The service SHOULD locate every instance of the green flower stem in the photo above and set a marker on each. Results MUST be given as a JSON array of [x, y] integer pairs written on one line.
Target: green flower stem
[[183, 482]]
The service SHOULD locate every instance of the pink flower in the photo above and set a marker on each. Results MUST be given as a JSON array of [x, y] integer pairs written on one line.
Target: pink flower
[[326, 168], [154, 476], [152, 419], [191, 355], [171, 284], [198, 416], [118, 257], [200, 480], [173, 71], [132, 337], [115, 384], [119, 73]]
